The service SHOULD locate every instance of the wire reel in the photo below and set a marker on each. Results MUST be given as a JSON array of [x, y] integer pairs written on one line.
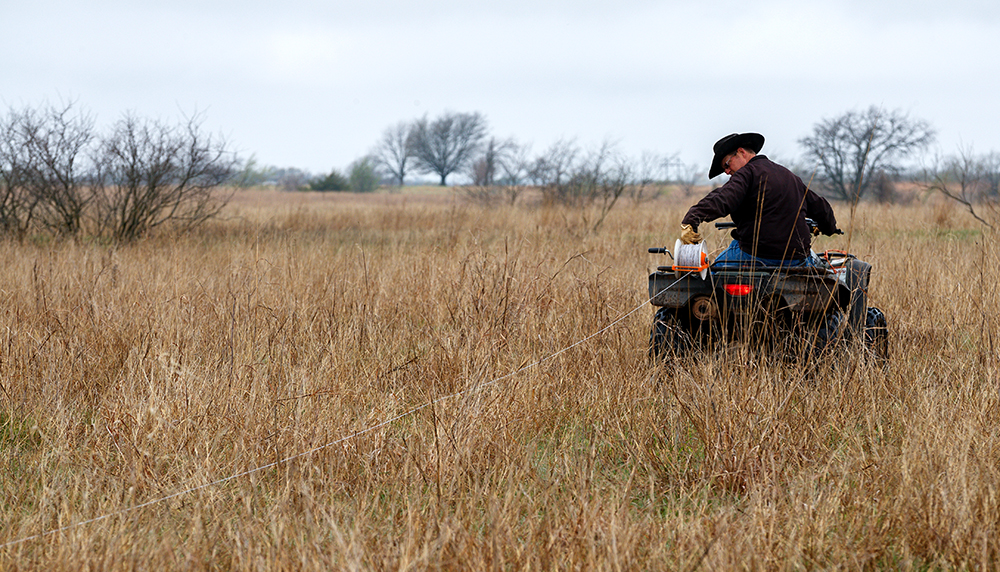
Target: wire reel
[[690, 258]]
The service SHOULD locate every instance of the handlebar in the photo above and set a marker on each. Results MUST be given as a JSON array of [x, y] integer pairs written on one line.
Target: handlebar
[[661, 250]]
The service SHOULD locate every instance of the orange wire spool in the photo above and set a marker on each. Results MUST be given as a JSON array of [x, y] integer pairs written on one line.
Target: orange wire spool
[[690, 258]]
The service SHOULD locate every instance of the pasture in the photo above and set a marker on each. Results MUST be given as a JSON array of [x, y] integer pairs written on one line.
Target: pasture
[[402, 382]]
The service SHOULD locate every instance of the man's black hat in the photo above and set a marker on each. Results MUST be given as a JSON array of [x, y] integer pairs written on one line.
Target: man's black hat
[[729, 144]]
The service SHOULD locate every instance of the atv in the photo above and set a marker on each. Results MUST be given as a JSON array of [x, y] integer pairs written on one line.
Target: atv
[[799, 311]]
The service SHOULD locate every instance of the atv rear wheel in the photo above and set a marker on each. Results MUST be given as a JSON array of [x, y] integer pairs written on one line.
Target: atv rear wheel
[[831, 330], [667, 337]]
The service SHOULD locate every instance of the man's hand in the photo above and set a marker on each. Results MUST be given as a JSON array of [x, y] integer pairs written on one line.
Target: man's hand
[[689, 235], [816, 231]]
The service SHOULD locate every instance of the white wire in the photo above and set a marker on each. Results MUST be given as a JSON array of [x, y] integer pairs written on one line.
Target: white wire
[[340, 440], [689, 255]]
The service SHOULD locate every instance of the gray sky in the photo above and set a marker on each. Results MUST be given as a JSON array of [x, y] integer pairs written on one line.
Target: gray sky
[[313, 84]]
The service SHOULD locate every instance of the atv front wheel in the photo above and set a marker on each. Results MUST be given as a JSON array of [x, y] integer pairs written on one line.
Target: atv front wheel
[[877, 333]]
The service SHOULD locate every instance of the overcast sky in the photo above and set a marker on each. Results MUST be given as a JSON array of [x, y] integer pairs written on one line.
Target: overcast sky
[[313, 84]]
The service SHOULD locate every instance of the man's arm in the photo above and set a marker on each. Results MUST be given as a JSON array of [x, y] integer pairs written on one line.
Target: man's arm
[[819, 209], [720, 202]]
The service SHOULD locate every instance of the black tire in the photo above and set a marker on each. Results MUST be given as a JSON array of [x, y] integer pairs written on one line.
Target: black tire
[[831, 330], [667, 337], [877, 333]]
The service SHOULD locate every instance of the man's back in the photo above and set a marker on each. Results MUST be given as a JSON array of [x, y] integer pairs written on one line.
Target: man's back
[[769, 204]]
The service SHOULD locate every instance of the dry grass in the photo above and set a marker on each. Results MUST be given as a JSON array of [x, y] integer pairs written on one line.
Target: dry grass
[[135, 373]]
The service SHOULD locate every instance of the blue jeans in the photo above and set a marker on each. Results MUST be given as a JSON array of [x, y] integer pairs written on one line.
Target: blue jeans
[[733, 256]]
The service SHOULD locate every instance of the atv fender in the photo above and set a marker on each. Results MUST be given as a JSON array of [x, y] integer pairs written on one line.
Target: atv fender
[[853, 293]]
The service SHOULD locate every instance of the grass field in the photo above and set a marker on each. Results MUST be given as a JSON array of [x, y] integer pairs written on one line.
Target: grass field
[[239, 380]]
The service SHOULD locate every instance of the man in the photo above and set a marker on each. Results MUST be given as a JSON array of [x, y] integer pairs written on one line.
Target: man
[[768, 203]]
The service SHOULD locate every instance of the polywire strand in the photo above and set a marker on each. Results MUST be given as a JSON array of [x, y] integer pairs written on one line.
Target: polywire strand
[[343, 439]]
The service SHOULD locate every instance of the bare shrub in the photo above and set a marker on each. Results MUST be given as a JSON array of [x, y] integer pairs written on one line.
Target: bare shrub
[[970, 180], [884, 188], [689, 178], [551, 168], [150, 173], [46, 160], [18, 203], [501, 174], [59, 176], [652, 171], [599, 179]]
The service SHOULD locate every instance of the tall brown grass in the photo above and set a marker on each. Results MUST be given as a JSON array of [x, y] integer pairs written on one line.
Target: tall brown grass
[[131, 374]]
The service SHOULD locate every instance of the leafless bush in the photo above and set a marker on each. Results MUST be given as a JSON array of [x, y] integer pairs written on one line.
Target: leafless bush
[[884, 188], [483, 171], [151, 173], [553, 166], [515, 171], [501, 174], [293, 179], [598, 180], [652, 171], [687, 177], [968, 179], [46, 160], [58, 175], [17, 203]]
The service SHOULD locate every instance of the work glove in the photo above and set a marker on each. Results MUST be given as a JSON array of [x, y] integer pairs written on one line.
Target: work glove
[[816, 231], [689, 235]]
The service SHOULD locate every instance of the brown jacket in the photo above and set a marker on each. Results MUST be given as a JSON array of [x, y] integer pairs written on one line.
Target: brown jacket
[[769, 205]]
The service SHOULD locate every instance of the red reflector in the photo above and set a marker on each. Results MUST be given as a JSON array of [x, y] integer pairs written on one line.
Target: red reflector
[[738, 289]]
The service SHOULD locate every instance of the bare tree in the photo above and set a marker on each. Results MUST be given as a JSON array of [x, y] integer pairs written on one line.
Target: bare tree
[[483, 170], [46, 165], [850, 149], [17, 202], [448, 144], [967, 179], [500, 174], [598, 180], [687, 177], [515, 170], [552, 166], [651, 171], [57, 174], [151, 173], [990, 176], [295, 179], [394, 151]]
